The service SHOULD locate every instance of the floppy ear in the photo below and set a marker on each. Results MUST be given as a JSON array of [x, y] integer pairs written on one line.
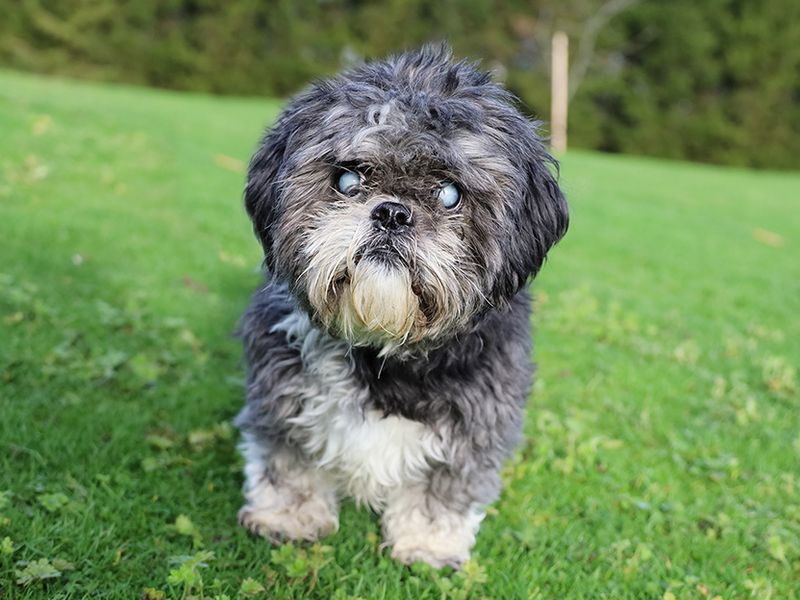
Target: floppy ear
[[539, 215], [546, 217], [263, 191]]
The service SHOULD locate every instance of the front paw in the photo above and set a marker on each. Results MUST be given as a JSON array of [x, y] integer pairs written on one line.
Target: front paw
[[421, 530], [308, 521], [434, 550]]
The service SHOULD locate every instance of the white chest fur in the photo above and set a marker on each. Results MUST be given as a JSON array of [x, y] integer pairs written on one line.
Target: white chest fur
[[367, 454]]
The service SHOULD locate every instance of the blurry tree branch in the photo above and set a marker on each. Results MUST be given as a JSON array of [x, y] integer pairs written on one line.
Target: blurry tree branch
[[588, 38], [67, 31]]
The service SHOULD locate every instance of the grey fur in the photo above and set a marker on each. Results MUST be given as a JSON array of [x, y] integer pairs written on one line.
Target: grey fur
[[456, 369]]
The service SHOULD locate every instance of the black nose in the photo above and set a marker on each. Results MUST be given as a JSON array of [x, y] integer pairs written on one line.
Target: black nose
[[391, 216]]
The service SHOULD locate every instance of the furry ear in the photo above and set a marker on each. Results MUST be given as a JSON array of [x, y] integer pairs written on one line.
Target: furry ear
[[539, 218], [263, 189], [266, 178], [546, 208]]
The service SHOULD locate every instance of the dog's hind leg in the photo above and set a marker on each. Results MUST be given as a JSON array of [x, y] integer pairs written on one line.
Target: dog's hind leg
[[285, 497]]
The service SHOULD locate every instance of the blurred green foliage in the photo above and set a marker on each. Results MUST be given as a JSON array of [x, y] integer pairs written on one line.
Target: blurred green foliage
[[714, 81]]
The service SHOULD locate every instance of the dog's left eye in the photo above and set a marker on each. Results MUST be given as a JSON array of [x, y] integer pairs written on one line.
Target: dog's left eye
[[448, 194], [348, 182]]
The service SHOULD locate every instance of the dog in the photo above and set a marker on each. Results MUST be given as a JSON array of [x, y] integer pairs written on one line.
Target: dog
[[402, 207]]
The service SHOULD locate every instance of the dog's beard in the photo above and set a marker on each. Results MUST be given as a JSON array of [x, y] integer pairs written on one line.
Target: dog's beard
[[379, 302], [385, 291]]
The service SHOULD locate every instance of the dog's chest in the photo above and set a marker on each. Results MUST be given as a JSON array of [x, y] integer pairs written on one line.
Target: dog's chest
[[368, 454]]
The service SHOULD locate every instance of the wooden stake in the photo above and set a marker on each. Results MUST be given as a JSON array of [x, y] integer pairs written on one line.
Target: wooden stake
[[559, 92]]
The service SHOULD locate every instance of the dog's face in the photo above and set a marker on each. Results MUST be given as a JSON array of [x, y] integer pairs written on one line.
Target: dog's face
[[402, 199]]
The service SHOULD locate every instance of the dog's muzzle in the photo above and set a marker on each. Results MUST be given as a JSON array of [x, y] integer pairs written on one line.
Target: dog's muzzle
[[392, 231]]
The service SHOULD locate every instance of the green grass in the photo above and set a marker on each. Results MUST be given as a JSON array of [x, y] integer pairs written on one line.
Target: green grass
[[663, 436]]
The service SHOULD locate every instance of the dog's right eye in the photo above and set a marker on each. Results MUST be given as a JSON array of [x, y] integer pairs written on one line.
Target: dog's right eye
[[348, 182]]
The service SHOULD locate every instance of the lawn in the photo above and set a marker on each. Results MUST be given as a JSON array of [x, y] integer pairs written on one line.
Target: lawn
[[662, 448]]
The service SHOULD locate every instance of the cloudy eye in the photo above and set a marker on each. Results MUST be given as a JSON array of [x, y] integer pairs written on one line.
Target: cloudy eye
[[348, 182], [449, 195]]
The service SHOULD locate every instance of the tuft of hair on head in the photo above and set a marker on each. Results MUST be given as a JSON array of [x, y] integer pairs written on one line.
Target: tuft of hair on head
[[433, 68]]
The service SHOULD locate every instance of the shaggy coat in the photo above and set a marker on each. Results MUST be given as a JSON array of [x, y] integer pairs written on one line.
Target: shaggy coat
[[389, 354]]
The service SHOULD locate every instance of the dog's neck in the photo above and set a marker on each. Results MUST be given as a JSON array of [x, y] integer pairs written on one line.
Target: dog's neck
[[406, 384]]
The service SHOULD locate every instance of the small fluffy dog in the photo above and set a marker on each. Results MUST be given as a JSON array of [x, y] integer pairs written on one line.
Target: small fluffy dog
[[402, 207]]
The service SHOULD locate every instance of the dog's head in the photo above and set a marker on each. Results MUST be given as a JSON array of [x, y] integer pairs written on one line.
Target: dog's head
[[403, 199]]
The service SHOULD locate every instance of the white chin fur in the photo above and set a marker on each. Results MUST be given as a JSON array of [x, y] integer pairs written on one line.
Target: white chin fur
[[379, 302]]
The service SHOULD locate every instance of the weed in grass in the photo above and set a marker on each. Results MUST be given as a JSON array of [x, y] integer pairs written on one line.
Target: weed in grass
[[186, 575], [251, 588], [40, 570], [6, 546]]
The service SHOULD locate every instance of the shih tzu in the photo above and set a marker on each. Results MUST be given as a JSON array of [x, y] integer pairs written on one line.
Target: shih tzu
[[402, 207]]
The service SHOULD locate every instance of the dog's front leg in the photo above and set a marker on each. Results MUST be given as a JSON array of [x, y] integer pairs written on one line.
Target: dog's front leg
[[421, 527], [285, 496]]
